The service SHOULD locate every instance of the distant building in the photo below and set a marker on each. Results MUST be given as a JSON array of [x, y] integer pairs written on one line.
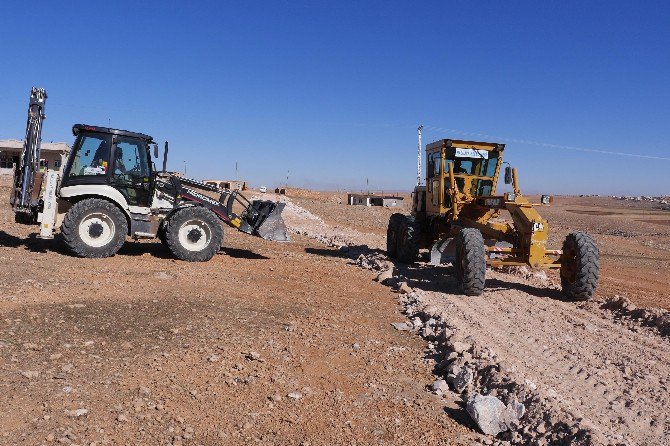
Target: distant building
[[53, 155], [228, 184], [374, 200]]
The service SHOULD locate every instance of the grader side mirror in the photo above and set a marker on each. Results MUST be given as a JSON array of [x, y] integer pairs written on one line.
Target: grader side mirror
[[508, 175], [155, 150]]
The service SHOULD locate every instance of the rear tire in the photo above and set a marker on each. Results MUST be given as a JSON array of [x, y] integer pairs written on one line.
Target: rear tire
[[580, 266], [94, 228], [392, 235], [470, 262], [408, 240], [194, 234]]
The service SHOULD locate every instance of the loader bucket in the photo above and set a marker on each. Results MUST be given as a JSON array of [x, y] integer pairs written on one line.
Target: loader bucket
[[269, 223]]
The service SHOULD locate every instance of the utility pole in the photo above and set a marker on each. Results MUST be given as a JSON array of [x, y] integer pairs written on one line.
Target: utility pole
[[184, 168], [235, 170], [418, 159]]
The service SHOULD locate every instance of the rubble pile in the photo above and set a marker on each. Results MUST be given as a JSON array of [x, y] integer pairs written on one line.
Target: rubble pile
[[627, 310], [500, 403]]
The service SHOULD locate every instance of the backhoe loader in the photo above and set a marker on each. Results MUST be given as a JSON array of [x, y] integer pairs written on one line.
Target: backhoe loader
[[457, 216], [109, 189]]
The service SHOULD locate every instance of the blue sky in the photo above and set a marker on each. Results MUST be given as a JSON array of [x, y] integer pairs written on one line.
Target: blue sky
[[333, 91]]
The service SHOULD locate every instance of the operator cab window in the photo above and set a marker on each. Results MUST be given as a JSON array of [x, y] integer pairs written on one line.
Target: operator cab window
[[91, 155], [131, 163]]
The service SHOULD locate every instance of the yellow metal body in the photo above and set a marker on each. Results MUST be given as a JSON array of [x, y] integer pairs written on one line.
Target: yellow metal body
[[464, 196]]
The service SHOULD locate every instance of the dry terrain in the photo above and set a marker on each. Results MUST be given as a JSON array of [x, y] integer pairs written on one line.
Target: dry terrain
[[294, 344]]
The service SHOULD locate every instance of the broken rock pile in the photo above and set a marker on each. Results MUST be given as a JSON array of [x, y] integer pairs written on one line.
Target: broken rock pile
[[501, 403]]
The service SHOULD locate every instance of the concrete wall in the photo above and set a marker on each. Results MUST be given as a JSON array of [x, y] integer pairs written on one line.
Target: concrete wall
[[9, 158], [228, 184], [372, 200]]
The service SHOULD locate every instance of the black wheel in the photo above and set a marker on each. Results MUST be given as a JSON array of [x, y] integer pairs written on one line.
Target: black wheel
[[408, 239], [161, 234], [470, 261], [194, 234], [392, 235], [580, 266], [94, 228]]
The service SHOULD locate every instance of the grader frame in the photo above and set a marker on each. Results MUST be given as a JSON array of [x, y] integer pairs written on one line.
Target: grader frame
[[456, 215]]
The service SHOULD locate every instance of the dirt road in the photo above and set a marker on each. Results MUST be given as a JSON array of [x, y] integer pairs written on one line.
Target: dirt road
[[586, 368]]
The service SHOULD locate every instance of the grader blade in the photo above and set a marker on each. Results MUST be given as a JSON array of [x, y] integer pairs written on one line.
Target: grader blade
[[443, 252]]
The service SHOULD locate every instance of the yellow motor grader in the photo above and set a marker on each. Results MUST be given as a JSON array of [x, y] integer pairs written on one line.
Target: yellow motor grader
[[457, 216]]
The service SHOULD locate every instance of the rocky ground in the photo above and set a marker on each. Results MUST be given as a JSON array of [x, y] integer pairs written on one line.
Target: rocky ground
[[587, 373], [298, 344]]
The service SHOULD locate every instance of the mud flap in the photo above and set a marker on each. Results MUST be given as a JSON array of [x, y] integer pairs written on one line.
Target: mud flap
[[443, 252], [270, 224]]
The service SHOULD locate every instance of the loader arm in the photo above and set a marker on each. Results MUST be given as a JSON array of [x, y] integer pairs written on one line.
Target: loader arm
[[258, 217]]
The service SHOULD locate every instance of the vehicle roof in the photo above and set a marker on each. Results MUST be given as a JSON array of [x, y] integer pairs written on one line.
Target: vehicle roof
[[92, 128], [465, 143]]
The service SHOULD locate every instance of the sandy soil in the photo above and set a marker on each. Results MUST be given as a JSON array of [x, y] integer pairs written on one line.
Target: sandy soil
[[293, 344], [265, 344]]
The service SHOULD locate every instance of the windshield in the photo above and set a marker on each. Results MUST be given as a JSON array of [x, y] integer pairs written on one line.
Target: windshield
[[91, 155], [473, 162]]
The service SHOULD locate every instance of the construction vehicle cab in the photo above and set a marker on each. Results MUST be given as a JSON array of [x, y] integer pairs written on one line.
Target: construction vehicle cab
[[109, 189], [457, 216]]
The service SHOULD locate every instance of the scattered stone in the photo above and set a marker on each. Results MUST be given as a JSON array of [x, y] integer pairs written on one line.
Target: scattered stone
[[401, 326], [121, 418], [356, 346], [276, 397], [404, 288], [67, 368], [439, 386], [30, 374], [463, 380], [213, 358], [384, 276], [491, 414], [460, 347], [77, 413], [55, 356], [295, 395], [253, 356], [663, 324]]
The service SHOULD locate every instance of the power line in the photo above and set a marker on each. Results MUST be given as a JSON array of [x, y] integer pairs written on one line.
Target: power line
[[542, 144]]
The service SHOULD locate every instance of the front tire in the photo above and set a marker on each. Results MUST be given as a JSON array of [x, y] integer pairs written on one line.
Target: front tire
[[408, 240], [580, 266], [392, 235], [470, 262], [194, 234], [94, 228]]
